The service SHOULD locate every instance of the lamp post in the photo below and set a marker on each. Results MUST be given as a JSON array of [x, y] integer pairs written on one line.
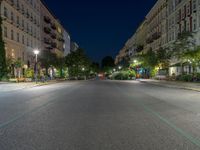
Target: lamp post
[[36, 52], [83, 69]]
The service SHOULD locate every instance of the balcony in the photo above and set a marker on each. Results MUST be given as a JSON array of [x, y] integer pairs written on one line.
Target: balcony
[[61, 39], [156, 35], [53, 26], [53, 35], [53, 45], [139, 48], [149, 40], [47, 41], [12, 2], [27, 15], [47, 19], [47, 30], [49, 48]]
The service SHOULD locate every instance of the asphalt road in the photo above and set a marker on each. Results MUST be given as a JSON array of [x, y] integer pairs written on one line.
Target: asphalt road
[[100, 115]]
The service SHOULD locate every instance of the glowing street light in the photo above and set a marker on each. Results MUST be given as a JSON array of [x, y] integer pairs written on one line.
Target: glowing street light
[[36, 52], [120, 67], [135, 61], [114, 70], [83, 69]]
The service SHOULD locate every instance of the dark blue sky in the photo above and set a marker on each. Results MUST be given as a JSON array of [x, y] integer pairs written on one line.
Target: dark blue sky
[[100, 27]]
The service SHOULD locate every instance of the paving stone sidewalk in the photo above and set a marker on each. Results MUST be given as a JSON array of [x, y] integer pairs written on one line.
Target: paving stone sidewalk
[[9, 87]]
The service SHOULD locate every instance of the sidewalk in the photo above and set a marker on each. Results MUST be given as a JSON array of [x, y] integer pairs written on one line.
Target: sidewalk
[[9, 87], [173, 84]]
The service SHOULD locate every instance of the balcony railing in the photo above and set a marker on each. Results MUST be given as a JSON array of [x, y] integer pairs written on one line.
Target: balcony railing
[[47, 30], [53, 45], [47, 19], [53, 26], [53, 35], [47, 41]]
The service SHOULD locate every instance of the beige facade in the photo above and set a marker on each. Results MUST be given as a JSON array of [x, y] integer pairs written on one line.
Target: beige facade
[[51, 32], [137, 43], [21, 29], [123, 54], [183, 16], [157, 25]]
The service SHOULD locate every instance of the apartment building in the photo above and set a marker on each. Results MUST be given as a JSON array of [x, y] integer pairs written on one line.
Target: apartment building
[[137, 43], [21, 29], [51, 32], [183, 16], [157, 25], [67, 43], [140, 41]]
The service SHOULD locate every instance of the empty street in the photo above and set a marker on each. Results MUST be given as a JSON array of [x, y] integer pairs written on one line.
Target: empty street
[[100, 115]]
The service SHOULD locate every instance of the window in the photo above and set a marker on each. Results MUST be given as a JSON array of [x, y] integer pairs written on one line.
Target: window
[[12, 17], [31, 30], [31, 43], [18, 37], [23, 23], [23, 56], [22, 8], [12, 35], [5, 12], [194, 5], [194, 24], [5, 32], [17, 20], [23, 39], [27, 27], [27, 42]]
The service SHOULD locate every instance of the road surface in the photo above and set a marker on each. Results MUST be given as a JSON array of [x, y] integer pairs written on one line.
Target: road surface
[[100, 115]]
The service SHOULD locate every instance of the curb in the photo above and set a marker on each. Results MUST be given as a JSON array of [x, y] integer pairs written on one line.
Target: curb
[[171, 86], [34, 85]]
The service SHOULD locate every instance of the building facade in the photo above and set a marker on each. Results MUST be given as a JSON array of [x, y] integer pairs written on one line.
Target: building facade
[[183, 16], [73, 46], [51, 32], [67, 43], [29, 25], [21, 30], [162, 27], [157, 25], [134, 45]]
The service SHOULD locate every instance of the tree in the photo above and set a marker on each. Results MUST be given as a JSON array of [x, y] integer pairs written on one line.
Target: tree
[[48, 59], [95, 67], [192, 57], [163, 57], [18, 65], [3, 67], [149, 61], [60, 64], [78, 63], [185, 42]]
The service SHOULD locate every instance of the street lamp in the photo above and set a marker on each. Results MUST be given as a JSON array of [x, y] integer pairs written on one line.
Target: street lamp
[[114, 70], [135, 61], [120, 67], [83, 69], [36, 52]]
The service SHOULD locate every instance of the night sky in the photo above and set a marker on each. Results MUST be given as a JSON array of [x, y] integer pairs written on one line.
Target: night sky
[[100, 27]]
